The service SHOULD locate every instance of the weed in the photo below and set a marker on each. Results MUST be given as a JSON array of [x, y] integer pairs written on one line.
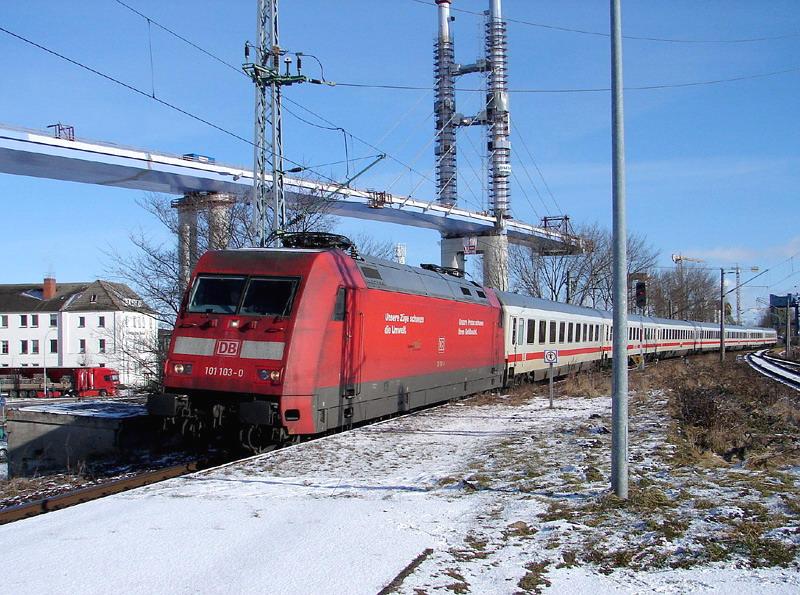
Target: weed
[[593, 474], [569, 559], [534, 580], [520, 529]]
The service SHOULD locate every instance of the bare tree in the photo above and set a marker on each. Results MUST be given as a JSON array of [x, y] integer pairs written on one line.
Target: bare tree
[[152, 267], [370, 246], [685, 292], [588, 275]]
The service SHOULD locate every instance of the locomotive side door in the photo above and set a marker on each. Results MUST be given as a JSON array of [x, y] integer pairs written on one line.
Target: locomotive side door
[[352, 353]]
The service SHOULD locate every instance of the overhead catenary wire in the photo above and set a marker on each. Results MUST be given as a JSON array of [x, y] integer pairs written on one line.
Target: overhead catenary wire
[[181, 37], [145, 94], [651, 87], [631, 37], [238, 70]]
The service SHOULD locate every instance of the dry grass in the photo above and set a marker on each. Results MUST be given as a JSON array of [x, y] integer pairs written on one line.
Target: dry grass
[[587, 384], [730, 411]]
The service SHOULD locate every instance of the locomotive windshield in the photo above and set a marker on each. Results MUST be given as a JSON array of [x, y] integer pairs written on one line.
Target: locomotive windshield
[[217, 295], [268, 297], [262, 296]]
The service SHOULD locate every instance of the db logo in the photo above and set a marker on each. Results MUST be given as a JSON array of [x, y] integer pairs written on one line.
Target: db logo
[[229, 348]]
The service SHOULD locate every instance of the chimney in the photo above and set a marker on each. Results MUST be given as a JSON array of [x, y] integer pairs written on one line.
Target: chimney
[[49, 288]]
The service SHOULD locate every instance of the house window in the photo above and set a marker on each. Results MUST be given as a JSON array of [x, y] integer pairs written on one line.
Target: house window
[[54, 320], [101, 321], [53, 345], [34, 320], [23, 320], [102, 345], [81, 321], [4, 347], [93, 298], [23, 347], [35, 346], [4, 321], [82, 346]]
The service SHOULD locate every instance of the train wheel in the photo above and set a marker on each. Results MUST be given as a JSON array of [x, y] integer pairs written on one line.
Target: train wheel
[[257, 439], [103, 392]]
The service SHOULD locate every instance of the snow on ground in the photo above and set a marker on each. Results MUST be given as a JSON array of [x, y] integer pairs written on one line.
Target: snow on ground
[[106, 409], [498, 495]]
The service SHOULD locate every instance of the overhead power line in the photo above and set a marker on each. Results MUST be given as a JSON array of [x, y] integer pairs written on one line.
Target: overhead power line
[[181, 37], [632, 37], [587, 89], [331, 126], [149, 96]]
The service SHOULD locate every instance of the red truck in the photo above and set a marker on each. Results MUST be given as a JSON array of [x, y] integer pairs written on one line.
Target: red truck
[[61, 382]]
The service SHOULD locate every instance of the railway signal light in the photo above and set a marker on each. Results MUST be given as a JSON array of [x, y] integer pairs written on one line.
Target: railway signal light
[[641, 294]]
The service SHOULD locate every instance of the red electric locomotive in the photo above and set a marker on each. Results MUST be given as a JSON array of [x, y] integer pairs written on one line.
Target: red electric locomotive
[[281, 343]]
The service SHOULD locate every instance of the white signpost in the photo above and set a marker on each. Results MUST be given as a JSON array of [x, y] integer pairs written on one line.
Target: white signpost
[[551, 358]]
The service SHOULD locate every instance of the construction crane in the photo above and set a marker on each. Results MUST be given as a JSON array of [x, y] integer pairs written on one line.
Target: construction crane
[[680, 258]]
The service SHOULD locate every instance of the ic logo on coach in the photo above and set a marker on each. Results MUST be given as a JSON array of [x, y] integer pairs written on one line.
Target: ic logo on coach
[[228, 348]]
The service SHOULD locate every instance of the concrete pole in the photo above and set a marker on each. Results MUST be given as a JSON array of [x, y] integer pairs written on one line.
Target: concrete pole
[[722, 315], [788, 326], [738, 295], [219, 220], [452, 253], [187, 238], [619, 402], [495, 260]]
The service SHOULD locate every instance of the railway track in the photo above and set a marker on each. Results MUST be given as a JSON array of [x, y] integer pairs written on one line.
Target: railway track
[[780, 370], [37, 507]]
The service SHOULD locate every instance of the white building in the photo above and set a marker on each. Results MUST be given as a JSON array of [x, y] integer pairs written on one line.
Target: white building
[[96, 323]]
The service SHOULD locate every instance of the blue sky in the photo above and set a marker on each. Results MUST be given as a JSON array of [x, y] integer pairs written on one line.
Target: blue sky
[[713, 170]]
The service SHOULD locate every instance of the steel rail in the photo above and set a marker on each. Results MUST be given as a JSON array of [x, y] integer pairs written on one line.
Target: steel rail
[[37, 507], [755, 360]]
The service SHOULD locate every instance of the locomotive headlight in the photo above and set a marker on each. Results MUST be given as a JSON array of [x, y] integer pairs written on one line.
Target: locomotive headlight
[[273, 376], [178, 368]]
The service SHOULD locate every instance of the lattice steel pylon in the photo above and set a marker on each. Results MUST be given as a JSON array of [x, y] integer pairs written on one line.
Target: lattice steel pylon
[[497, 113], [268, 149]]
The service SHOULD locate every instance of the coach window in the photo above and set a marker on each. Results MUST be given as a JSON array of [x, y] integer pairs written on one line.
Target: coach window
[[513, 331], [542, 331], [578, 333], [521, 333], [596, 332], [562, 331], [531, 331], [569, 333], [552, 331], [338, 308]]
